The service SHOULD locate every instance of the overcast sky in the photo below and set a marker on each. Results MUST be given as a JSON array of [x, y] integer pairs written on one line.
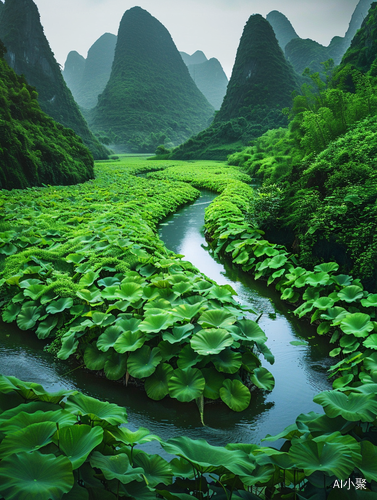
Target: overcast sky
[[213, 26]]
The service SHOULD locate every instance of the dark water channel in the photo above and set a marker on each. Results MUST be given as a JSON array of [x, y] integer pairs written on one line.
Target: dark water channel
[[300, 371]]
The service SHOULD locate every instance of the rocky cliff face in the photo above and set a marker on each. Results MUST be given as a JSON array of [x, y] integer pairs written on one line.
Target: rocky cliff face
[[150, 98], [282, 27], [73, 70], [29, 54]]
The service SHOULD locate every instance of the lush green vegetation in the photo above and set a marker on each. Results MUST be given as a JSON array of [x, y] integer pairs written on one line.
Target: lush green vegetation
[[29, 54], [34, 149], [83, 267], [150, 98], [67, 445], [318, 193], [261, 85], [282, 27]]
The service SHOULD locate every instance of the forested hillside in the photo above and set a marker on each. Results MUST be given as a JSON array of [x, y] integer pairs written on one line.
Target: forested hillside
[[260, 87], [150, 98], [319, 179], [35, 150], [29, 53], [282, 27]]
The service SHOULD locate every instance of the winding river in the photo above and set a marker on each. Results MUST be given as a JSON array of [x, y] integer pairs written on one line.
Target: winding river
[[299, 370]]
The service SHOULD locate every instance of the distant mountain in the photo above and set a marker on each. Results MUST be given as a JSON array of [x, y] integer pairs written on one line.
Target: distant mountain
[[34, 149], [310, 54], [29, 54], [90, 79], [261, 85], [150, 98], [261, 76], [208, 75], [197, 57], [282, 27], [73, 70]]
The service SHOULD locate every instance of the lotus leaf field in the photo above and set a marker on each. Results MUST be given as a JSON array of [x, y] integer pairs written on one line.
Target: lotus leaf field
[[83, 268]]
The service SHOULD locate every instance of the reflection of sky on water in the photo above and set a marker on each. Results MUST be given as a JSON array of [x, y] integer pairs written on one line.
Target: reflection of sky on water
[[299, 371]]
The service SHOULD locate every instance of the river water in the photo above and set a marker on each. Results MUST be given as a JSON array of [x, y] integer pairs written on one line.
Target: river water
[[299, 371]]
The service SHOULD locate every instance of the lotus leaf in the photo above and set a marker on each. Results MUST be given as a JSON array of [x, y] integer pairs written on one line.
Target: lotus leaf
[[29, 282], [34, 291], [323, 303], [303, 309], [221, 293], [143, 362], [10, 424], [207, 458], [331, 458], [109, 293], [102, 319], [211, 341], [311, 294], [186, 385], [250, 361], [116, 467], [317, 279], [159, 303], [277, 261], [77, 441], [69, 345], [168, 350], [128, 324], [357, 324], [323, 328], [188, 357], [342, 279], [11, 312], [335, 352], [59, 305], [108, 338], [370, 301], [28, 316], [368, 464], [213, 383], [93, 358], [75, 258], [110, 281], [154, 324], [351, 293], [342, 381], [327, 267], [370, 362], [33, 475], [179, 333], [182, 287], [333, 313], [235, 395], [371, 342], [115, 365], [132, 438], [45, 327], [150, 293], [228, 361], [89, 296], [96, 410], [263, 379], [353, 407], [242, 258], [156, 469], [216, 318], [186, 311], [131, 292], [157, 384], [267, 354], [129, 341], [31, 438], [288, 294], [88, 279]]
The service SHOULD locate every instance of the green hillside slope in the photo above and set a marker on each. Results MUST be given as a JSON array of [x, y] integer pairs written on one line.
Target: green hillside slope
[[29, 54], [35, 150]]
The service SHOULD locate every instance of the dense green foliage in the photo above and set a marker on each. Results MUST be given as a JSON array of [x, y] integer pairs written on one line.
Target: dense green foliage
[[34, 149], [89, 81], [66, 445], [261, 85], [150, 98], [29, 54], [282, 27], [90, 273]]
